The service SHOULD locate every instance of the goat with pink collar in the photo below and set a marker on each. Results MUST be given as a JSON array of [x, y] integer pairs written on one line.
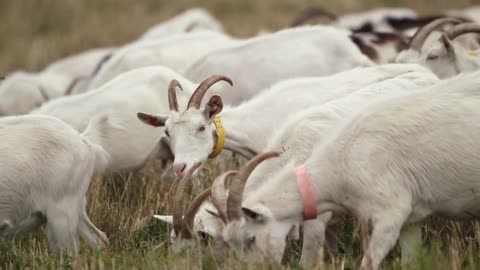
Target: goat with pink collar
[[391, 165], [302, 131], [342, 94]]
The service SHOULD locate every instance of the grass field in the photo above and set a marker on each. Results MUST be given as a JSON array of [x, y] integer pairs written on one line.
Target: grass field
[[34, 33]]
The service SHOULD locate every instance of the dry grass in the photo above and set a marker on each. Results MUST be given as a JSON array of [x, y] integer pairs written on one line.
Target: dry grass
[[34, 33]]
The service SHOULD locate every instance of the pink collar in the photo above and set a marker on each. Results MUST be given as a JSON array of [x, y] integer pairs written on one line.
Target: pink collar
[[304, 182]]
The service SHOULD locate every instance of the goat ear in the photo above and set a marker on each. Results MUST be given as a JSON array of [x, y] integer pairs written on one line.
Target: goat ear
[[152, 120], [250, 214], [166, 219], [213, 107], [447, 43]]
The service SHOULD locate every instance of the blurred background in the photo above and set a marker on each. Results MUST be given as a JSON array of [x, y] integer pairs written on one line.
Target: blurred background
[[34, 33]]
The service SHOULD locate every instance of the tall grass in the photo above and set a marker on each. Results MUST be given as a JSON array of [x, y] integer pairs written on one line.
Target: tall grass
[[35, 33]]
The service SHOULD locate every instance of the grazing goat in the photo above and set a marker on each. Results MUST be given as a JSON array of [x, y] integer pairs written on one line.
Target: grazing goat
[[302, 131], [21, 91], [290, 53], [46, 170], [444, 57], [339, 85], [127, 140], [197, 222], [194, 133], [175, 52], [391, 165]]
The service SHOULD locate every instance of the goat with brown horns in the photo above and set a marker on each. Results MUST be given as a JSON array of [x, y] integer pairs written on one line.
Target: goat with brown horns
[[197, 96], [183, 221]]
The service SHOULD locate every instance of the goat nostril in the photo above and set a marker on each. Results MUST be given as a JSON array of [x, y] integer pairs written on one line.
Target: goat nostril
[[179, 168]]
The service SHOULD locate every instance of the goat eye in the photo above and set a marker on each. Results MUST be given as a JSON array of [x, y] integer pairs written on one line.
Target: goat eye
[[166, 133], [432, 57], [201, 129], [204, 237]]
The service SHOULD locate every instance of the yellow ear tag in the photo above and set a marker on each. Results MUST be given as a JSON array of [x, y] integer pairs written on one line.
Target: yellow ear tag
[[473, 53], [220, 137]]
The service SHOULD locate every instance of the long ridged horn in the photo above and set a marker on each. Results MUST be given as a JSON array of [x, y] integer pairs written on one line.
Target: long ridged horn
[[422, 34], [191, 211], [309, 13], [172, 95], [179, 199], [463, 29], [234, 201], [199, 93], [219, 194]]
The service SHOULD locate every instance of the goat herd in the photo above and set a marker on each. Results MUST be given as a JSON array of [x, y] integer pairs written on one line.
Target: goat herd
[[375, 115]]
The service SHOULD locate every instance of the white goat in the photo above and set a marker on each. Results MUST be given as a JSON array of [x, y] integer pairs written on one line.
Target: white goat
[[206, 225], [190, 20], [307, 93], [198, 222], [46, 170], [262, 61], [21, 91], [472, 13], [444, 57], [175, 52], [391, 165], [79, 65], [301, 132], [192, 132], [127, 140]]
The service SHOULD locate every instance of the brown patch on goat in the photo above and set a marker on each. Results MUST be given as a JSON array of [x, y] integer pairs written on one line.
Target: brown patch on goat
[[364, 48], [402, 24]]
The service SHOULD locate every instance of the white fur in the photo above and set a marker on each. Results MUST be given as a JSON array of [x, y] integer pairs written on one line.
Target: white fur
[[124, 137], [79, 65], [175, 52], [20, 92], [445, 61], [391, 165], [250, 125], [264, 60], [268, 110], [296, 139], [46, 168], [204, 223], [470, 12]]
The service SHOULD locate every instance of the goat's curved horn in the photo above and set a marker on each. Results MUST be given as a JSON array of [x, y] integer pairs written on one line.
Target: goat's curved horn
[[191, 211], [172, 95], [422, 34], [199, 93], [311, 12], [219, 194], [179, 199], [462, 29], [234, 201]]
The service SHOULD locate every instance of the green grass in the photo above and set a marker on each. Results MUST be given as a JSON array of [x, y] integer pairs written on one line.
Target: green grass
[[34, 33]]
